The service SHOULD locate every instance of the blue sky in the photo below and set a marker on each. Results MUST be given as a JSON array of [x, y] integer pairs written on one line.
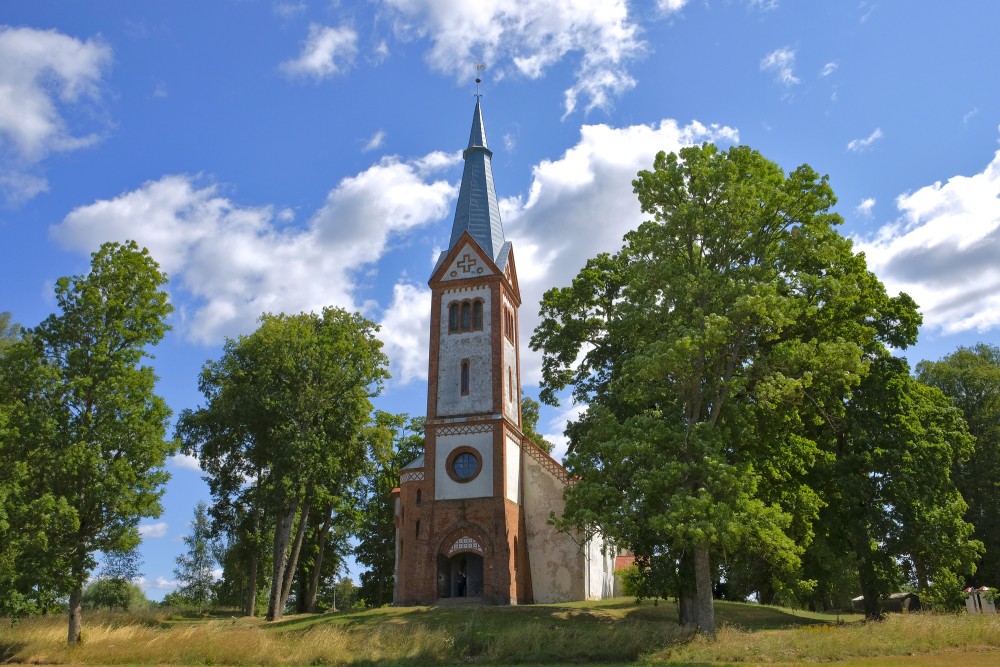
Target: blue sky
[[283, 156]]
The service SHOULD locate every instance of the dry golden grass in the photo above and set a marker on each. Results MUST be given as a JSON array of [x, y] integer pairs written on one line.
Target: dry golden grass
[[898, 635], [617, 631]]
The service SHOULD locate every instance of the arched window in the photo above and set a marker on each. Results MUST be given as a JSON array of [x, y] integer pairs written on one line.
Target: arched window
[[453, 317], [466, 316], [465, 377], [417, 532], [418, 496], [510, 384], [477, 315]]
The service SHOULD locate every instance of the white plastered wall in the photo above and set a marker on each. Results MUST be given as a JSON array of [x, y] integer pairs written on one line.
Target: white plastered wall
[[600, 570], [512, 456], [476, 346], [445, 488], [510, 380]]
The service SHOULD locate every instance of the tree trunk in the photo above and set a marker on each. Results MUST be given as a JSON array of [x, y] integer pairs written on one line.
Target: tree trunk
[[75, 614], [282, 535], [686, 592], [293, 559], [250, 601], [703, 584], [317, 572]]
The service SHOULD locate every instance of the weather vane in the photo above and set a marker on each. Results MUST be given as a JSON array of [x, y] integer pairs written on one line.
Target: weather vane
[[479, 68]]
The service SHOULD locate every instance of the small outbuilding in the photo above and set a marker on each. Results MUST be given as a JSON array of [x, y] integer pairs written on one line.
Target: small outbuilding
[[980, 600]]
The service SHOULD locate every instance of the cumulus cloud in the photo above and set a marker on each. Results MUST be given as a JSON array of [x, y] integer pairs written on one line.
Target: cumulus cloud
[[43, 73], [405, 331], [236, 262], [865, 207], [943, 251], [527, 38], [861, 145], [828, 69], [326, 51], [185, 462], [670, 6], [582, 204], [289, 9], [158, 529], [157, 584], [376, 141], [782, 63]]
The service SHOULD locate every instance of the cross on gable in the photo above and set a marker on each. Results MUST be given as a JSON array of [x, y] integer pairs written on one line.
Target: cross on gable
[[466, 263]]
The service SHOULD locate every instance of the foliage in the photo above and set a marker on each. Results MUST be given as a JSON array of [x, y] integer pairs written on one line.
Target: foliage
[[706, 350], [114, 593], [10, 331], [529, 423], [83, 418], [970, 377], [280, 437], [194, 570], [393, 442]]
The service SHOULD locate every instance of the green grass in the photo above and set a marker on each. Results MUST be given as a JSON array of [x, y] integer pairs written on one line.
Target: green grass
[[610, 632]]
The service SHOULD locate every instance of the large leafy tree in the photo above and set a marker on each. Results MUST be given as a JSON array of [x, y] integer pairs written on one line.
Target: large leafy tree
[[282, 427], [393, 442], [706, 351], [970, 377], [82, 416]]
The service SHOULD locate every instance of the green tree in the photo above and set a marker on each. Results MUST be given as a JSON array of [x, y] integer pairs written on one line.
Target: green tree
[[394, 441], [83, 417], [194, 570], [286, 409], [114, 594], [970, 377], [10, 331], [890, 503], [705, 350], [529, 423]]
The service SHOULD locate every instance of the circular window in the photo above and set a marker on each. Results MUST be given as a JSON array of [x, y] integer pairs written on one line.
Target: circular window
[[464, 464]]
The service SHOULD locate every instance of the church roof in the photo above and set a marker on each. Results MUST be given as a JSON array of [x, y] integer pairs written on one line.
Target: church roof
[[477, 211]]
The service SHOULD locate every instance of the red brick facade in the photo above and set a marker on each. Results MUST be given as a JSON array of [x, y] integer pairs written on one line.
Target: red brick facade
[[433, 534]]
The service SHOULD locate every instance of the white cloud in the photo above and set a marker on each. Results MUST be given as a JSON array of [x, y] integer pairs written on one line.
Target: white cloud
[[43, 73], [186, 462], [829, 69], [406, 331], [782, 63], [670, 6], [582, 204], [326, 51], [528, 38], [237, 263], [969, 115], [380, 52], [158, 529], [377, 140], [861, 145], [865, 207], [943, 251], [158, 584]]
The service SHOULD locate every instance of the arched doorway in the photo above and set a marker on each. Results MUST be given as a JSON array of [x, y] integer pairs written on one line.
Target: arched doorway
[[460, 570]]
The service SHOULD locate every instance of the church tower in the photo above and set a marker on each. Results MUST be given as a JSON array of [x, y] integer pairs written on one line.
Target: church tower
[[460, 522], [472, 513]]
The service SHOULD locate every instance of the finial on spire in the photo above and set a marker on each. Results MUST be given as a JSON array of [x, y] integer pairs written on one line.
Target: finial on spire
[[479, 68]]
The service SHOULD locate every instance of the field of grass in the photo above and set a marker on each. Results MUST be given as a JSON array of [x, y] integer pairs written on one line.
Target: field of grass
[[610, 632]]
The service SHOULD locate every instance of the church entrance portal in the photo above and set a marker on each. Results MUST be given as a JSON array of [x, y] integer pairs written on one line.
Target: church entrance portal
[[460, 576]]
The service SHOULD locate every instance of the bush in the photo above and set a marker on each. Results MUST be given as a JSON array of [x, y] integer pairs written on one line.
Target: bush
[[113, 594]]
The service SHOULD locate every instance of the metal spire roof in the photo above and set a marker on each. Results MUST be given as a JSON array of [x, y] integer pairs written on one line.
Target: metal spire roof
[[477, 211]]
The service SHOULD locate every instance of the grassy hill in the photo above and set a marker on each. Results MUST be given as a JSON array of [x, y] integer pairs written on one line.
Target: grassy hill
[[616, 631]]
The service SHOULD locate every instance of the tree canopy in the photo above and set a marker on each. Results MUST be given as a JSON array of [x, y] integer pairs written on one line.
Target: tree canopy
[[82, 416], [280, 437], [708, 350]]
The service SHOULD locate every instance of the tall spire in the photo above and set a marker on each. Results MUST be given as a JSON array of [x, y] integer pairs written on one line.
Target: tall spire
[[477, 211]]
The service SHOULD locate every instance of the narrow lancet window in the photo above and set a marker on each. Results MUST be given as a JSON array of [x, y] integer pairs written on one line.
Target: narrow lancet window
[[477, 315], [465, 377], [453, 318], [466, 316]]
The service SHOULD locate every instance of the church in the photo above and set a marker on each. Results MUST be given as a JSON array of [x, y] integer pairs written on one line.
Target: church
[[472, 513]]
